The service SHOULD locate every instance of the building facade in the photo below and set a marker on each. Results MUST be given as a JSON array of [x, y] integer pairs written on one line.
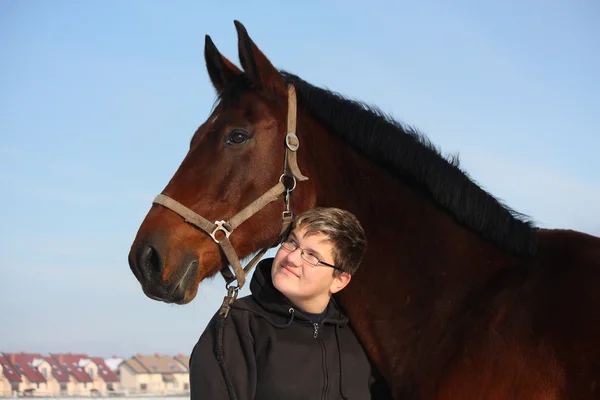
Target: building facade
[[67, 374]]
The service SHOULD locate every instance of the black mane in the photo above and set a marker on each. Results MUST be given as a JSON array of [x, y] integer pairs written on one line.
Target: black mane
[[407, 152]]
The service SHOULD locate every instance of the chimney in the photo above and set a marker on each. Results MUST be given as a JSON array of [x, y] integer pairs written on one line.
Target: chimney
[[12, 358], [157, 355], [60, 359]]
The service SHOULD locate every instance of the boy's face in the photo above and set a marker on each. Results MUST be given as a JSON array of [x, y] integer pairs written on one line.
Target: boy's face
[[299, 281]]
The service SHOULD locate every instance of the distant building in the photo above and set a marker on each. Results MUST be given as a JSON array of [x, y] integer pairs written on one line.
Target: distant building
[[31, 382], [154, 374], [55, 375], [9, 378], [184, 360], [53, 385], [104, 377], [61, 376]]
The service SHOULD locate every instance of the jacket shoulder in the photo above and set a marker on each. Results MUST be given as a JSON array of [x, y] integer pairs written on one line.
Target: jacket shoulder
[[242, 311]]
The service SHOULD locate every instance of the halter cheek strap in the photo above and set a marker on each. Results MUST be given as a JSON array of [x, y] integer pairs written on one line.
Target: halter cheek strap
[[220, 231]]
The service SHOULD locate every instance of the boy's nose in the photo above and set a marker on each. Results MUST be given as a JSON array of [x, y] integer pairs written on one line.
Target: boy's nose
[[295, 258]]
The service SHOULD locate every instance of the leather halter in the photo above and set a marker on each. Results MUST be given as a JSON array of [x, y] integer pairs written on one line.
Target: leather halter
[[290, 169]]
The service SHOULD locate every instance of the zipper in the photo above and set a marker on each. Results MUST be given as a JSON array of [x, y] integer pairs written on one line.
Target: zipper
[[324, 360]]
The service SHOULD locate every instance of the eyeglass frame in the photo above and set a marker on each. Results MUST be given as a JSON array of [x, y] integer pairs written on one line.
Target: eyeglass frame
[[297, 246]]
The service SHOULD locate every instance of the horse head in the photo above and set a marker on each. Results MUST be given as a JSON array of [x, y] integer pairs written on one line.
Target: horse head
[[235, 157]]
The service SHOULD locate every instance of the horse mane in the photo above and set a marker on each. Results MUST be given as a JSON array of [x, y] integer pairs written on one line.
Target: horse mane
[[408, 153]]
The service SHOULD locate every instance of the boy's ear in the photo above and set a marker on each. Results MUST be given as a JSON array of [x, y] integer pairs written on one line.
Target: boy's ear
[[340, 282]]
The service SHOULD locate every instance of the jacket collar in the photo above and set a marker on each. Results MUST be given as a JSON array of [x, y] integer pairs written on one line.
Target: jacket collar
[[274, 302]]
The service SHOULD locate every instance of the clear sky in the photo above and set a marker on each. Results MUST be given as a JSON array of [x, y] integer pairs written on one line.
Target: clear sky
[[98, 101]]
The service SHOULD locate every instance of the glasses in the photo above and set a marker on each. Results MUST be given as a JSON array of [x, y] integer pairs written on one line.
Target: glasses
[[290, 245]]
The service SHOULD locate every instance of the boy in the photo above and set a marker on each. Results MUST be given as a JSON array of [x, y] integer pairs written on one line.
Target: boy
[[288, 339]]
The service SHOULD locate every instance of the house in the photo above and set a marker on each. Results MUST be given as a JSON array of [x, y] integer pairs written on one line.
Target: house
[[154, 374], [135, 378], [9, 378], [53, 387], [32, 381], [98, 385], [109, 381], [60, 375], [185, 361], [80, 383]]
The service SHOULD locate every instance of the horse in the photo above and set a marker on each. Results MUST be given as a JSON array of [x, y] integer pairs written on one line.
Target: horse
[[458, 297]]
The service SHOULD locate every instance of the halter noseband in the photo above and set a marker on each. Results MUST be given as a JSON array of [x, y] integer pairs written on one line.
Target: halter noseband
[[290, 169]]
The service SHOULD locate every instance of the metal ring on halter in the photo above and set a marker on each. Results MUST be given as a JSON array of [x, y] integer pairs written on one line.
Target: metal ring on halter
[[292, 146], [287, 213], [290, 176], [232, 291], [220, 227]]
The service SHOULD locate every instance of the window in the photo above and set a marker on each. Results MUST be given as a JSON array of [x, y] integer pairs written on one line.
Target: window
[[45, 372], [85, 385], [186, 386], [91, 373], [143, 387], [175, 385]]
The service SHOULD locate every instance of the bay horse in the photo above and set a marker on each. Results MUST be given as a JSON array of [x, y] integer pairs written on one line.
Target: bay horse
[[458, 297]]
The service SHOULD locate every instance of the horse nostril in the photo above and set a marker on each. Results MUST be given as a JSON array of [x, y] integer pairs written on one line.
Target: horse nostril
[[150, 260]]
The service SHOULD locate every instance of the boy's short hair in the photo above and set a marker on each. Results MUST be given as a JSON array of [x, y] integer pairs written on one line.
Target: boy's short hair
[[342, 228]]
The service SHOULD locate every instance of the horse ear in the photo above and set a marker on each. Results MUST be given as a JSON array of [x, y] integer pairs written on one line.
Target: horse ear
[[257, 66], [220, 69]]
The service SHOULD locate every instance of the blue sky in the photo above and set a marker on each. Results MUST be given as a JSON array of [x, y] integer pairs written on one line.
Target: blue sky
[[98, 101]]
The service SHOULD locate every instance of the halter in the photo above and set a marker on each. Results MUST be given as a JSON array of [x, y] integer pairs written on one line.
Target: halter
[[226, 228]]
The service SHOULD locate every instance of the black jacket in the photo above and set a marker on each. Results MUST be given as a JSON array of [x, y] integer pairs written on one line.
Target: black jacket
[[273, 351]]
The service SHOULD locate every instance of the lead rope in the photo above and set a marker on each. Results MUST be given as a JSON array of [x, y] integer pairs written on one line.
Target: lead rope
[[232, 293]]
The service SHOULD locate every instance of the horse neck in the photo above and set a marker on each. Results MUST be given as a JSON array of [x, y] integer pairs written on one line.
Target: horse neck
[[420, 266]]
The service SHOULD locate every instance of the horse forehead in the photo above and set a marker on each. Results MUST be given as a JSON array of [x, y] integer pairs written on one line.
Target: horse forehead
[[249, 106]]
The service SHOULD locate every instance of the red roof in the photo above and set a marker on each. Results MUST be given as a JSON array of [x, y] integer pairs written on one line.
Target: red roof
[[58, 372], [70, 363], [8, 370], [103, 371], [23, 363]]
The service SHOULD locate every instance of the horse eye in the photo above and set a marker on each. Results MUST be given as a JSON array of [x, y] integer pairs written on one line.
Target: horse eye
[[236, 138]]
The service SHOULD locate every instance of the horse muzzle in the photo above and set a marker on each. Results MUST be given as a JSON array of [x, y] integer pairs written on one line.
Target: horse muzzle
[[148, 266]]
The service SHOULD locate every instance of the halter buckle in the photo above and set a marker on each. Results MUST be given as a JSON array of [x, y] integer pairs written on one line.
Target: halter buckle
[[291, 141], [220, 227], [232, 293], [293, 182]]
